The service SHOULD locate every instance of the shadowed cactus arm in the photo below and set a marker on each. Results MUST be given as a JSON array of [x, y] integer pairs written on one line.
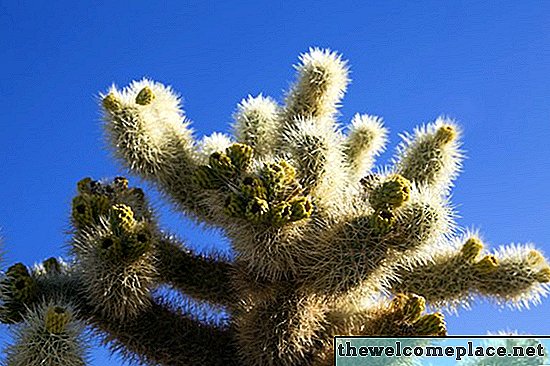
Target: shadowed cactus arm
[[514, 275], [168, 336], [202, 277]]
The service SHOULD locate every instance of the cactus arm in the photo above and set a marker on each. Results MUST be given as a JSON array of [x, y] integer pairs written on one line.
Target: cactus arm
[[321, 83], [148, 132], [431, 156], [201, 277], [514, 275], [365, 140], [167, 336], [255, 124], [398, 222]]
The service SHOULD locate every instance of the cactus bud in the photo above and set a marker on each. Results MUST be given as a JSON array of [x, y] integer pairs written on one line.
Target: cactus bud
[[487, 264], [111, 103], [256, 209], [221, 165], [52, 265], [471, 249], [381, 223], [280, 213], [395, 191], [145, 96], [56, 319], [301, 208], [84, 185], [120, 183], [413, 308], [240, 155], [543, 276], [445, 134], [253, 187], [122, 217], [431, 324], [535, 258]]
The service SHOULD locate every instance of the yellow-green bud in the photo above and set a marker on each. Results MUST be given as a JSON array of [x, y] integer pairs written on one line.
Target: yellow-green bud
[[17, 269], [256, 209], [56, 319], [253, 187], [83, 185], [120, 183], [280, 213], [240, 155], [145, 96], [431, 324], [122, 217], [52, 265], [234, 206], [22, 285], [535, 258], [391, 194], [487, 264], [381, 223], [301, 208], [471, 249], [111, 103], [221, 165], [413, 308], [543, 276], [445, 134]]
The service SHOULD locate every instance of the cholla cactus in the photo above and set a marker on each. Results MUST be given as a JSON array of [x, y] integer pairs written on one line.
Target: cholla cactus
[[324, 245]]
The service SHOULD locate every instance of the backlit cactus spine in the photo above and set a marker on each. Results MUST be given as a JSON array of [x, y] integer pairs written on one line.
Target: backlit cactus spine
[[323, 244]]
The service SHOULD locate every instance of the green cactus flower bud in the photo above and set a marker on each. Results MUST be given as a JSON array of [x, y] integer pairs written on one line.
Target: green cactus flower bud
[[52, 265], [535, 258], [381, 223], [413, 308], [445, 134], [301, 208], [86, 209], [22, 286], [120, 183], [393, 193], [145, 96], [276, 176], [253, 187], [56, 319], [543, 276], [18, 269], [111, 103], [256, 209], [234, 206], [281, 213], [471, 249], [431, 324], [221, 165], [240, 155], [122, 217], [489, 263], [84, 185]]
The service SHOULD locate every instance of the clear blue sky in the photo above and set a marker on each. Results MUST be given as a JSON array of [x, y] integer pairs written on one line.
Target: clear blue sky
[[487, 64]]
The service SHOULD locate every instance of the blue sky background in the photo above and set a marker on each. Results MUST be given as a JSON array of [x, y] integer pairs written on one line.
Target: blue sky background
[[487, 64]]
